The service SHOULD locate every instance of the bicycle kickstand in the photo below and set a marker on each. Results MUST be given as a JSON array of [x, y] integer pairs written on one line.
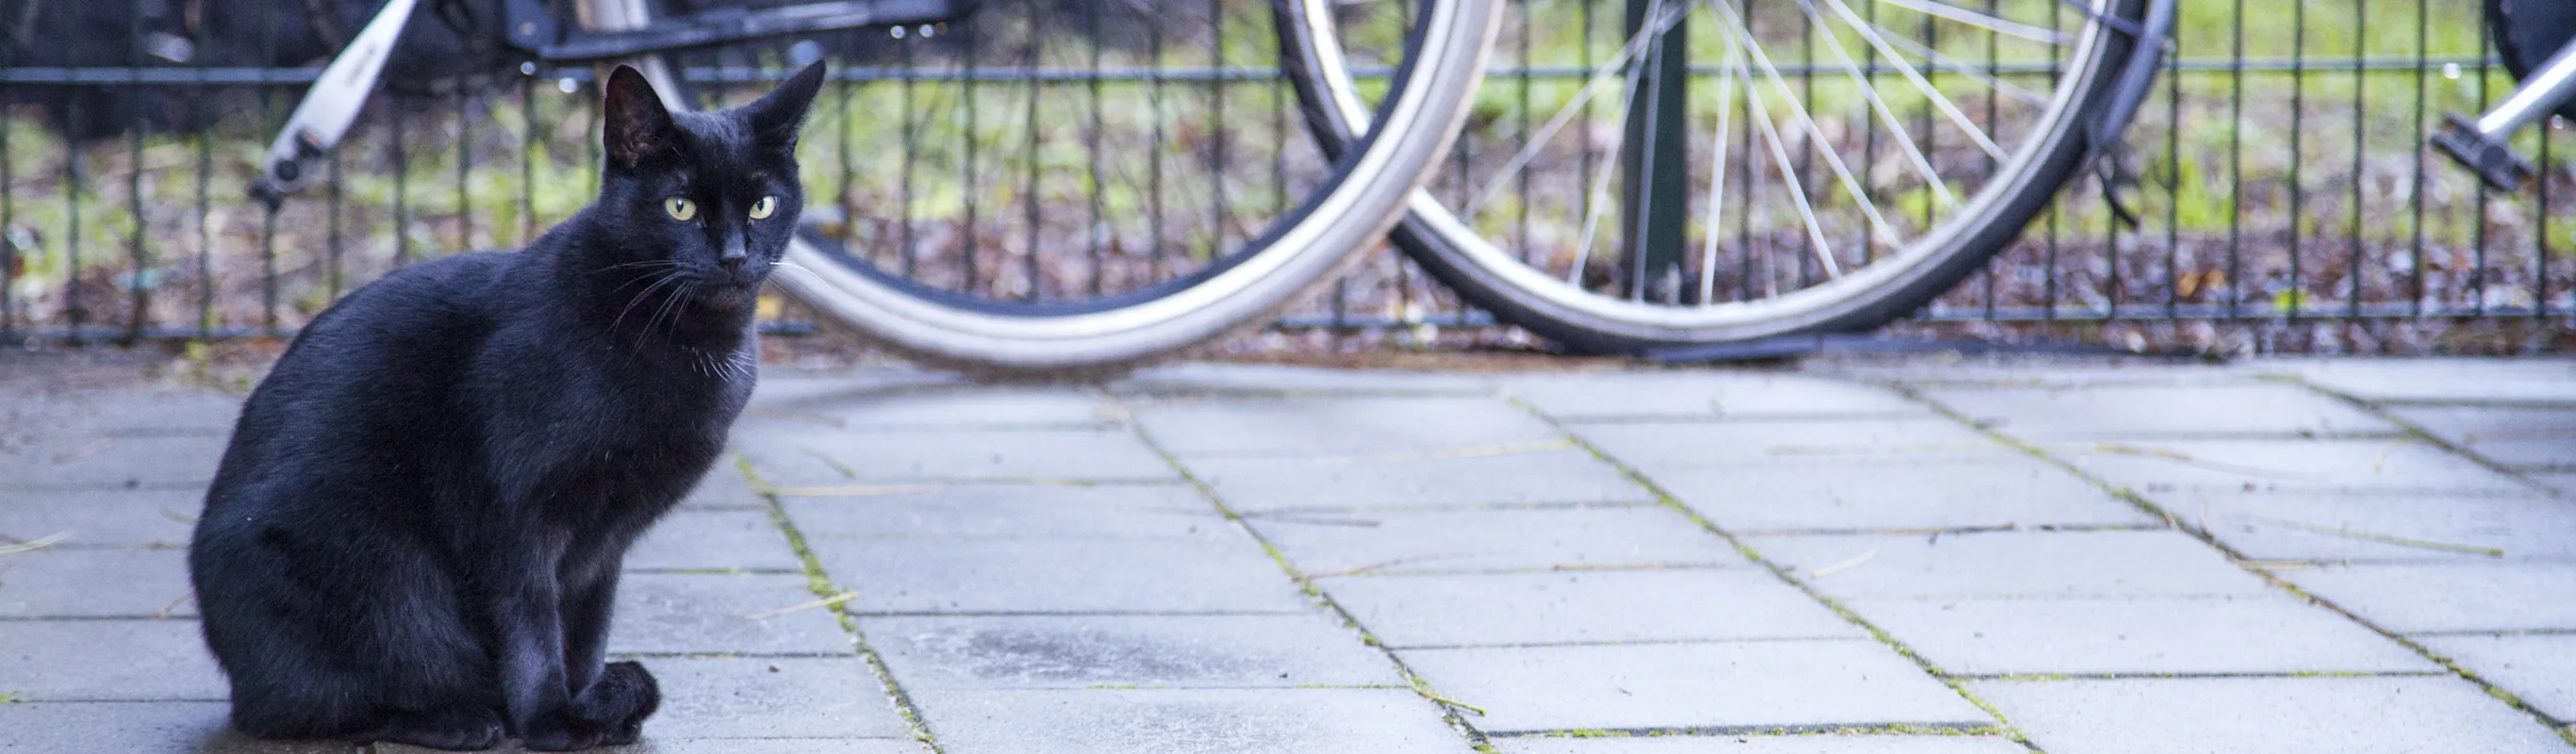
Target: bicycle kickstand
[[2481, 145]]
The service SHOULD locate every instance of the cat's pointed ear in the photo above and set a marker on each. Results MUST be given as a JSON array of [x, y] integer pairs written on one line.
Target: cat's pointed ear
[[776, 116], [638, 126]]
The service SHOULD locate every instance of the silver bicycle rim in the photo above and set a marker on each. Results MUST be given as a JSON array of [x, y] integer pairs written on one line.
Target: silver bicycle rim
[[1369, 197], [1488, 274]]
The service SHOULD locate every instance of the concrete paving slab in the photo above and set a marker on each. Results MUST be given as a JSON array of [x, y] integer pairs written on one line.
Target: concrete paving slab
[[1552, 476], [773, 697], [160, 461], [1727, 686], [2010, 564], [122, 727], [1495, 539], [2154, 467], [854, 457], [1226, 571], [1338, 426], [2249, 634], [1584, 607], [2538, 668], [2139, 410], [2523, 436], [2401, 715], [2444, 596], [724, 488], [106, 660], [1582, 396], [1298, 650], [2520, 379], [1204, 378], [651, 745], [1185, 721], [692, 613], [127, 518], [87, 583], [1008, 511], [1842, 495], [872, 404], [1661, 447], [714, 540], [2303, 526], [1817, 743]]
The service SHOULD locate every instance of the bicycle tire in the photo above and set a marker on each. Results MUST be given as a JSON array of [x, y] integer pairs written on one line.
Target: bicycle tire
[[1301, 251], [1489, 277], [2527, 33]]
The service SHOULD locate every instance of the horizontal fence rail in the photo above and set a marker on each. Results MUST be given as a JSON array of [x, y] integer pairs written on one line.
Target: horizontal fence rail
[[1048, 149]]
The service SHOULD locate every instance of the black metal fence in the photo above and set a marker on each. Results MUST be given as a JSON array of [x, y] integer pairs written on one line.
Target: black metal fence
[[1052, 148]]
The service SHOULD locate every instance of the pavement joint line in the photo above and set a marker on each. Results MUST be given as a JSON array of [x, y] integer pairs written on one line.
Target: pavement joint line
[[2052, 438], [1160, 394], [2499, 632], [2196, 531], [2536, 403], [1429, 453], [1948, 531], [822, 587], [1836, 729], [1366, 573], [732, 655], [1167, 687], [1787, 575], [1073, 614], [1624, 643], [2423, 434], [1590, 420], [909, 485], [111, 487], [714, 571], [1284, 514], [2050, 677], [1450, 710]]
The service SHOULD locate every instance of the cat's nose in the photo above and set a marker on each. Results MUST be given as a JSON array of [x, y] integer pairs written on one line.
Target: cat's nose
[[735, 256]]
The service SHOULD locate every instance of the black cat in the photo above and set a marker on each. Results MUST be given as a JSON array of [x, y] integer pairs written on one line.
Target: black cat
[[415, 534]]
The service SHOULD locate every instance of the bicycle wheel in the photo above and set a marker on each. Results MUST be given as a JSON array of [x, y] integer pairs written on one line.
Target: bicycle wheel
[[1006, 328], [1929, 117]]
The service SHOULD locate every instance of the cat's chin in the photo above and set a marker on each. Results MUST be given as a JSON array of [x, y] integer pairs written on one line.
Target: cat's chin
[[727, 297]]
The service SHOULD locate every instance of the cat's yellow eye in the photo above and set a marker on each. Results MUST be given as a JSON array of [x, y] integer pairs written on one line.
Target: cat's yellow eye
[[680, 209], [761, 210]]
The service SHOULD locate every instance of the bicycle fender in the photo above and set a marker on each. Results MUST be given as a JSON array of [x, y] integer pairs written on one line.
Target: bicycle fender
[[2147, 55]]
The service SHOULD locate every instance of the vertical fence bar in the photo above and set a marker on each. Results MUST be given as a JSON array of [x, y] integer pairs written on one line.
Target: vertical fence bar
[[1094, 232], [966, 172], [2478, 275], [2540, 236], [464, 168], [1521, 182], [527, 155], [2360, 145], [2236, 165], [1216, 131], [2173, 179], [1029, 193], [911, 151], [402, 188], [2298, 293], [332, 272], [204, 121], [9, 251], [2423, 69], [1154, 149], [139, 263]]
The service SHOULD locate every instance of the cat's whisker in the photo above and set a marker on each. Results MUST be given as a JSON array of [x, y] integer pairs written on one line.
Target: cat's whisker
[[658, 282]]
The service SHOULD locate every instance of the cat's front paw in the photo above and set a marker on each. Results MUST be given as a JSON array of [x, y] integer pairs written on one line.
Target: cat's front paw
[[562, 732], [620, 701]]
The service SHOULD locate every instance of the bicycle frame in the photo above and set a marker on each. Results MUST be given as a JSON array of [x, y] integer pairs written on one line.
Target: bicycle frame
[[331, 106]]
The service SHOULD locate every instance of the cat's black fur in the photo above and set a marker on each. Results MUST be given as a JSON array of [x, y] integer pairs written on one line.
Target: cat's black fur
[[415, 534]]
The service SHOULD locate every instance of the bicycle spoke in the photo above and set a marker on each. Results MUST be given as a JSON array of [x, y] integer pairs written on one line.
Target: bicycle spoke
[[1601, 186], [1599, 77], [1761, 117], [1922, 165], [1938, 9], [1815, 133], [1973, 71], [1938, 101], [1717, 177]]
